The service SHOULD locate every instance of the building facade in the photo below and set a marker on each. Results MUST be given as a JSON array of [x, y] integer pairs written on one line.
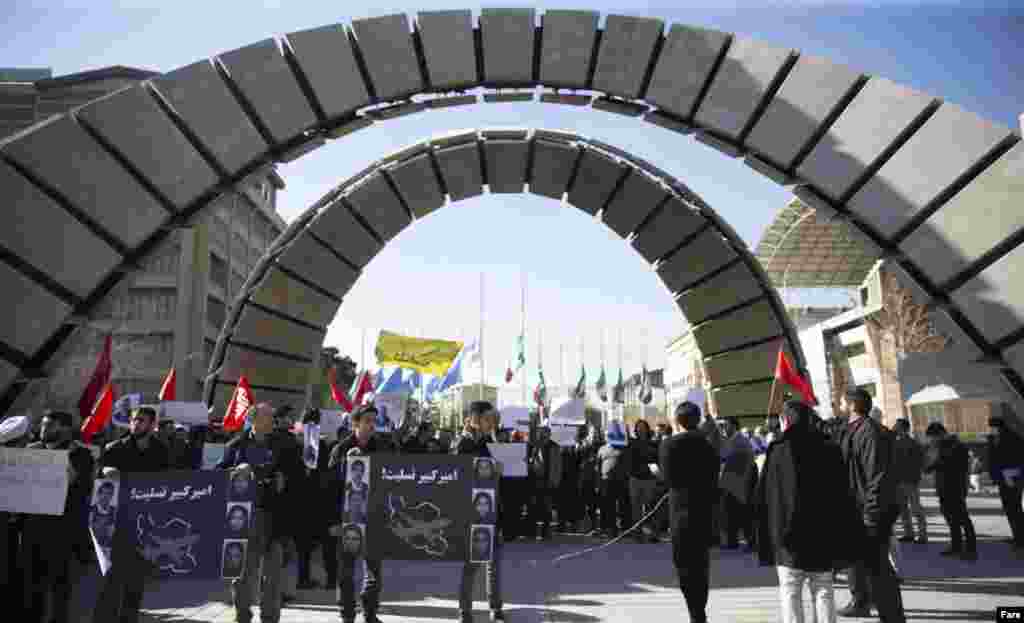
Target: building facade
[[453, 403], [170, 311]]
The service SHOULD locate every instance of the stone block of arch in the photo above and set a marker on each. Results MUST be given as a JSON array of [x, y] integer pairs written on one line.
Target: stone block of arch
[[508, 37], [667, 228], [262, 368], [747, 74], [506, 165], [261, 328], [553, 167], [639, 196], [567, 47], [386, 46], [376, 202], [742, 400], [318, 265], [749, 323], [133, 124], [687, 58], [262, 79], [706, 253], [626, 50], [449, 48], [755, 363], [39, 219], [340, 230], [329, 66], [66, 162], [988, 301], [198, 96], [736, 283], [281, 291], [417, 182], [597, 177], [462, 170], [32, 315]]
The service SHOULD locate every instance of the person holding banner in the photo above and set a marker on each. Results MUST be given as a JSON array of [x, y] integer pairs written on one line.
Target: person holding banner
[[363, 442], [124, 585], [480, 427], [49, 540], [270, 456]]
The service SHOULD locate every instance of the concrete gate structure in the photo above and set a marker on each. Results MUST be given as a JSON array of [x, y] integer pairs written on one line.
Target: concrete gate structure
[[924, 183]]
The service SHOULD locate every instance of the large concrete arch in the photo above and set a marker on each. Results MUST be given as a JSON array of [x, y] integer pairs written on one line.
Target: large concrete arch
[[276, 326], [926, 183]]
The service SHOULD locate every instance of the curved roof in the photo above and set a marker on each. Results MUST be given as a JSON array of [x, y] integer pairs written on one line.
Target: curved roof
[[802, 248], [114, 176]]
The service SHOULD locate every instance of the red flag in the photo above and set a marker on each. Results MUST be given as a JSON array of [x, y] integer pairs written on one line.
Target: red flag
[[242, 399], [785, 373], [100, 415], [363, 386], [509, 375], [338, 395], [100, 378], [167, 390]]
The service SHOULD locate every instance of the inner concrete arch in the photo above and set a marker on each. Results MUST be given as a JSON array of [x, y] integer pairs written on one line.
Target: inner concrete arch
[[277, 324], [927, 184]]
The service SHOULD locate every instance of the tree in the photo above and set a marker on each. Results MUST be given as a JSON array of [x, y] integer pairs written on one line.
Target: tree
[[345, 368], [903, 322]]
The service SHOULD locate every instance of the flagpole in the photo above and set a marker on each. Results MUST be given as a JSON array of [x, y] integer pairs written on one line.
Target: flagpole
[[480, 338], [561, 366], [522, 333]]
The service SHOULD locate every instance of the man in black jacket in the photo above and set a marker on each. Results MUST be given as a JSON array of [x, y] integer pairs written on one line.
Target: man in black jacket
[[1006, 467], [314, 494], [480, 427], [803, 488], [867, 452], [641, 453], [948, 459], [49, 540], [271, 456], [138, 452], [362, 442], [689, 465]]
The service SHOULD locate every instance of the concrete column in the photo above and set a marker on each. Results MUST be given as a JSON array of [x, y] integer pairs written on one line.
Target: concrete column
[[190, 325]]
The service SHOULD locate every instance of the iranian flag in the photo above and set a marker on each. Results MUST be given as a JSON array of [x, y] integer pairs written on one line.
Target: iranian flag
[[540, 395], [238, 407], [787, 374]]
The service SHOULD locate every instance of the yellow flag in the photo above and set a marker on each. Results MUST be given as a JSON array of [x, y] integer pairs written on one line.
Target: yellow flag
[[429, 356]]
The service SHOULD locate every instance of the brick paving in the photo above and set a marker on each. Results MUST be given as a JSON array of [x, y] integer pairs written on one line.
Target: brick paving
[[628, 582]]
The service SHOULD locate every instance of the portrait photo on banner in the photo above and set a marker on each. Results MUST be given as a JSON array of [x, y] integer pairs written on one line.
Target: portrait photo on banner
[[239, 518], [233, 558], [103, 511], [481, 539], [241, 484], [483, 503], [357, 490], [353, 539], [484, 469]]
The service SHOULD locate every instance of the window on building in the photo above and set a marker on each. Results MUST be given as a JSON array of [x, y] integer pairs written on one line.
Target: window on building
[[218, 271], [216, 313]]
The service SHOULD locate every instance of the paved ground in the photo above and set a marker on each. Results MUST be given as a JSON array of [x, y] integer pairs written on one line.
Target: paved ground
[[630, 582]]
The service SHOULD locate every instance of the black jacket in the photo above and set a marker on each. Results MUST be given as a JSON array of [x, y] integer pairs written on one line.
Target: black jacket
[[640, 453], [867, 451], [337, 468], [468, 444], [689, 466], [125, 456], [806, 515], [283, 454], [949, 460]]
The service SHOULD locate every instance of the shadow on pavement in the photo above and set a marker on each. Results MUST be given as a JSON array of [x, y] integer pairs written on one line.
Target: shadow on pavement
[[949, 615]]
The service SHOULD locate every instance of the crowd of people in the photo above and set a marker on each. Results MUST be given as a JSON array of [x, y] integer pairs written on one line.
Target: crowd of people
[[771, 492]]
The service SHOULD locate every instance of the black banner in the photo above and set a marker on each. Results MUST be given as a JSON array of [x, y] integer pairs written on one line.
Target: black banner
[[421, 507]]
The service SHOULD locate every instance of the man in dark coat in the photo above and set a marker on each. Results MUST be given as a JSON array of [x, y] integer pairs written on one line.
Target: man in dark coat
[[362, 442], [803, 488], [689, 465], [948, 459], [1006, 467], [271, 456], [49, 540], [314, 495], [867, 453]]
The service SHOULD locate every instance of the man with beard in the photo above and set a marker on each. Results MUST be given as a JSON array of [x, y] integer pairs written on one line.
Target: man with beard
[[50, 539], [271, 524], [480, 428], [362, 442], [138, 452], [689, 465]]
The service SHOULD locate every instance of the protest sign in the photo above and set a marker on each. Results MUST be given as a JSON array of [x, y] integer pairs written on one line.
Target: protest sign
[[185, 413], [422, 507], [564, 435], [189, 524], [516, 418], [512, 457], [34, 482], [568, 411], [213, 453]]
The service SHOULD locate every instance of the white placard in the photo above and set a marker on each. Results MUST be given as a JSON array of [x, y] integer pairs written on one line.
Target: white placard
[[569, 411], [331, 420], [185, 413], [564, 435], [34, 482], [516, 418], [512, 457], [213, 453]]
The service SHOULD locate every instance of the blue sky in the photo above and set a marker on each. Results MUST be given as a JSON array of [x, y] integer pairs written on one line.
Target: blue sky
[[584, 282]]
